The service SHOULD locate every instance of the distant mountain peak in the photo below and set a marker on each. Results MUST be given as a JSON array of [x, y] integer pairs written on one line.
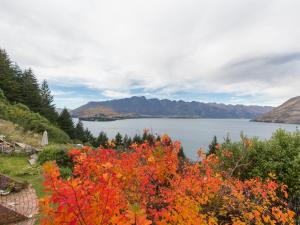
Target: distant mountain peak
[[140, 106], [288, 112]]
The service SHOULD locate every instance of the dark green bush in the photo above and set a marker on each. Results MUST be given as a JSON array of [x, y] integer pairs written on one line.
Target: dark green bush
[[65, 172], [57, 153], [2, 96]]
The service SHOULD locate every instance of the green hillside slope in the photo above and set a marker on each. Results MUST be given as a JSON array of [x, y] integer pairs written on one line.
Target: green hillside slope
[[30, 121]]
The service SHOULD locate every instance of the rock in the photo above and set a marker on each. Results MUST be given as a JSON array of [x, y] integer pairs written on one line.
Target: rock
[[4, 192], [33, 158]]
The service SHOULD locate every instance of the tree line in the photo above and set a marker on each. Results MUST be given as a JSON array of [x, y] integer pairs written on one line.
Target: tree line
[[119, 142], [22, 86]]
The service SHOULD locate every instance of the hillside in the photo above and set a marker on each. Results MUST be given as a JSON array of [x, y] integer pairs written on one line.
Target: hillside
[[288, 112], [27, 120], [30, 104], [141, 107], [15, 133]]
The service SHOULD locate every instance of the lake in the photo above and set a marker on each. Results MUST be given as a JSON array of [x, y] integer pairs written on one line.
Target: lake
[[192, 133]]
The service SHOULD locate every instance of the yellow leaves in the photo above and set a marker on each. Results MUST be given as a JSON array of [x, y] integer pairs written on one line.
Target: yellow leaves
[[111, 144], [51, 169], [223, 212], [248, 142], [272, 175], [283, 217], [107, 165], [49, 166], [105, 176], [137, 216], [212, 221], [238, 222], [151, 159], [266, 218], [286, 195], [249, 216]]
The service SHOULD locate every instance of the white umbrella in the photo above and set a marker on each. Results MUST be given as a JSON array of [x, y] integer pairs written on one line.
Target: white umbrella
[[45, 138]]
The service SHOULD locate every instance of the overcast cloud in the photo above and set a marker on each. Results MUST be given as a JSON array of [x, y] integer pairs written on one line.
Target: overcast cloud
[[229, 51]]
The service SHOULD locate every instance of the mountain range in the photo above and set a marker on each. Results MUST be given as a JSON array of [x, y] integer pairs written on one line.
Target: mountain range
[[288, 112], [141, 107]]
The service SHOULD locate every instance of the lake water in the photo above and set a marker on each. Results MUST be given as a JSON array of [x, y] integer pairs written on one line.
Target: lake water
[[192, 133]]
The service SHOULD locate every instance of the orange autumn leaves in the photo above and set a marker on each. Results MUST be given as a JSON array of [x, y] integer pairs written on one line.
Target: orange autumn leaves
[[146, 186]]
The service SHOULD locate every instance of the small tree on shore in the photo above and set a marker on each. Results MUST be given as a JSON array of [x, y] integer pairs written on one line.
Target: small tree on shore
[[66, 124], [213, 146]]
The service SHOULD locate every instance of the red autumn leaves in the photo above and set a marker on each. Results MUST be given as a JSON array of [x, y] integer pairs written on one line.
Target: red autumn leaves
[[146, 186]]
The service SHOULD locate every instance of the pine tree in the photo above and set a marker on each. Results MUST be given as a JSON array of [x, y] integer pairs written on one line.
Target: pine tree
[[182, 159], [9, 78], [101, 140], [147, 136], [137, 139], [48, 108], [80, 132], [31, 91], [181, 154], [90, 137], [23, 87], [46, 93], [127, 142], [158, 138], [118, 140], [212, 147], [65, 122]]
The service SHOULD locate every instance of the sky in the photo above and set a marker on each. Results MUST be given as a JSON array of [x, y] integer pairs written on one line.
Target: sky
[[233, 51]]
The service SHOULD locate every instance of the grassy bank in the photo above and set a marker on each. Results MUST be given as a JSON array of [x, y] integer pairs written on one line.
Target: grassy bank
[[17, 166], [15, 133], [29, 121]]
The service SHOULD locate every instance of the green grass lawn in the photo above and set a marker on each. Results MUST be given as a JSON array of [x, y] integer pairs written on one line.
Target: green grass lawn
[[17, 166]]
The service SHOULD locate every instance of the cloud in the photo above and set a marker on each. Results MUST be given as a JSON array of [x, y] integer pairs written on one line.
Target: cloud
[[246, 51]]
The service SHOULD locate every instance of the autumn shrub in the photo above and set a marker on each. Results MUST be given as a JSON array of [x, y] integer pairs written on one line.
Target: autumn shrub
[[277, 158], [145, 186]]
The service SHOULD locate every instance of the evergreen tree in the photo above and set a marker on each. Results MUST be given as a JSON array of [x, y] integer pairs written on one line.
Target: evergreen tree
[[65, 122], [101, 140], [212, 147], [46, 93], [151, 139], [90, 137], [127, 142], [48, 108], [148, 137], [137, 139], [181, 154], [182, 159], [80, 133], [145, 135], [158, 138], [31, 91], [118, 140], [23, 87], [9, 78]]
